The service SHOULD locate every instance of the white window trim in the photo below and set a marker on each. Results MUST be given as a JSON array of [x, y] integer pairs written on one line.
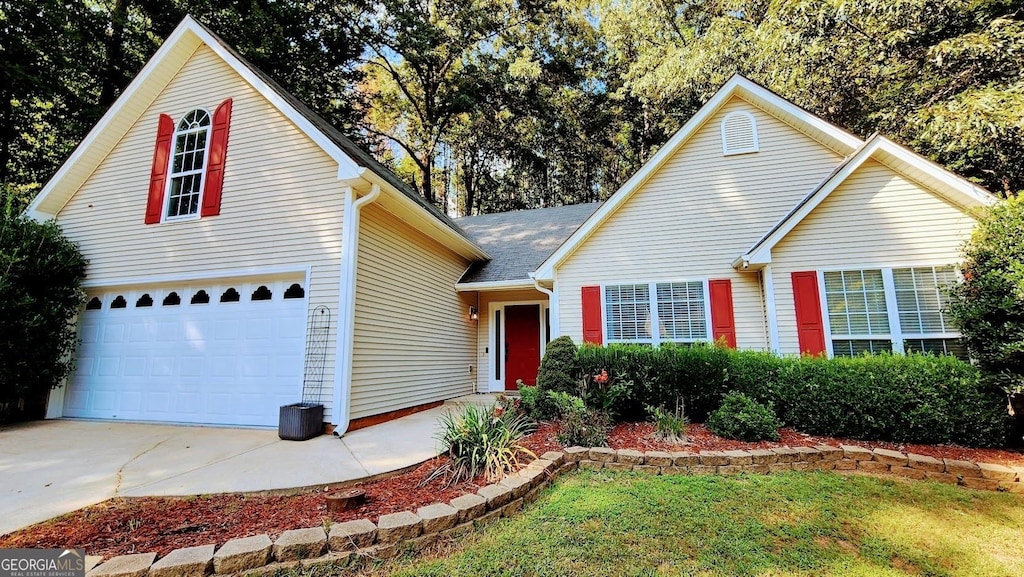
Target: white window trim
[[171, 176], [652, 294], [896, 334], [755, 147]]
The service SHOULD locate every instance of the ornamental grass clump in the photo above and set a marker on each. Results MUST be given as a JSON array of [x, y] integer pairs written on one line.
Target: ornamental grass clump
[[482, 440], [669, 426]]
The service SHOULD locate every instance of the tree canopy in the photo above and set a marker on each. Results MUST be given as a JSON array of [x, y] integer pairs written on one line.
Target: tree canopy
[[488, 105]]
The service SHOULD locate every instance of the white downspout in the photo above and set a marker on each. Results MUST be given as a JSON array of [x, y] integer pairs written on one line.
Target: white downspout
[[347, 307], [552, 307]]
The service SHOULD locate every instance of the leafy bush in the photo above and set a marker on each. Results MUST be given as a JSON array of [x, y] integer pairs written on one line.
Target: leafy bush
[[904, 398], [914, 398], [744, 419], [482, 440], [584, 427], [559, 369], [41, 273], [669, 425], [988, 304]]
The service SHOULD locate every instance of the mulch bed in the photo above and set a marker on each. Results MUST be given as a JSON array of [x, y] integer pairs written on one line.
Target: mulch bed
[[162, 524]]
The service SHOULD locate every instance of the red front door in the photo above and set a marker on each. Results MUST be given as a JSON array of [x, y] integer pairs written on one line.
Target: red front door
[[522, 344]]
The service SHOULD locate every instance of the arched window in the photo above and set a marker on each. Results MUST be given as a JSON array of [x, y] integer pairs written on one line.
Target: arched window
[[119, 303], [230, 296], [144, 301], [172, 299], [94, 304], [294, 292], [262, 294], [200, 298], [739, 133], [188, 164]]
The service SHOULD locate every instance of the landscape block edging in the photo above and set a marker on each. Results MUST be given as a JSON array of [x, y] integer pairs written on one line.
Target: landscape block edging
[[467, 512]]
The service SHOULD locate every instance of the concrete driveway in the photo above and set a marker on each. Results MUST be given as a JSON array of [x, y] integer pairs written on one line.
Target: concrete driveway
[[49, 468]]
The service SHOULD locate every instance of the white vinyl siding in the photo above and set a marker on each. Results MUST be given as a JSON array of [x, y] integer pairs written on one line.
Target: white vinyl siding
[[876, 219], [414, 340], [282, 203], [696, 214]]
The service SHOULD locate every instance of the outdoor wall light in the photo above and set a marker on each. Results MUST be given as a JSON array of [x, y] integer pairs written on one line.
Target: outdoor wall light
[[474, 315]]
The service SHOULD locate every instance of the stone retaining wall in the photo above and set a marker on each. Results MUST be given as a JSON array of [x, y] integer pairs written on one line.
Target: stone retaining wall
[[345, 542]]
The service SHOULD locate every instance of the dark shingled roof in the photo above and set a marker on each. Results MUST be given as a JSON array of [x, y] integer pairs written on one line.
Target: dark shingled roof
[[520, 241], [360, 156]]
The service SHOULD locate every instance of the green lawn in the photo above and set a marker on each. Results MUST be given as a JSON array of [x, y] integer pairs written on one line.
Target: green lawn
[[781, 524]]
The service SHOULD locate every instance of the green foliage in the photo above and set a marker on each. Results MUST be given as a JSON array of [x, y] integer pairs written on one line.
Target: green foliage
[[584, 427], [744, 419], [989, 303], [559, 369], [41, 273], [482, 440], [906, 398], [669, 425]]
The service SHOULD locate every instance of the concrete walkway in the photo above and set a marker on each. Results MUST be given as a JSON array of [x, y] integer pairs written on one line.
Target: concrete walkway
[[48, 468]]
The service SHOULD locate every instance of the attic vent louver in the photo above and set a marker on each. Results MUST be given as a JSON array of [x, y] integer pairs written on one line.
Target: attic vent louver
[[739, 133]]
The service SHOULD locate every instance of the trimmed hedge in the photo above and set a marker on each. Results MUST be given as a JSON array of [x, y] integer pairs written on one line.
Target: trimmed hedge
[[903, 398], [743, 418]]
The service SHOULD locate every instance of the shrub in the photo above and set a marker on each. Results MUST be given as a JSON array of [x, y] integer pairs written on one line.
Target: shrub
[[744, 419], [584, 427], [40, 292], [547, 405], [559, 369], [988, 304], [904, 398], [913, 398], [482, 440]]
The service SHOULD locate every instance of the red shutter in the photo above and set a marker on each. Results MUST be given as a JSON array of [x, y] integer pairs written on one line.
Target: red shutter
[[592, 330], [723, 322], [215, 163], [161, 164], [809, 327]]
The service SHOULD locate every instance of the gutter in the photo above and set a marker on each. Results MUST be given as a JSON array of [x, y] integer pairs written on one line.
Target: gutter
[[342, 416]]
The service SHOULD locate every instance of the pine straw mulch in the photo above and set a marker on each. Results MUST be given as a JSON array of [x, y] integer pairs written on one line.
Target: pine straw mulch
[[142, 524]]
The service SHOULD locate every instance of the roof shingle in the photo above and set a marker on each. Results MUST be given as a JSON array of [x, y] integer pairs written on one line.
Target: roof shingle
[[520, 241]]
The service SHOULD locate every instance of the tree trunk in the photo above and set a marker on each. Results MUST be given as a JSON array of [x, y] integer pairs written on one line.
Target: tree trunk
[[113, 73]]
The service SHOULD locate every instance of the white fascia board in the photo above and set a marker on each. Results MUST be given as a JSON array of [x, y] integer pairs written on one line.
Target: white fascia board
[[103, 125], [964, 192], [737, 85], [494, 285]]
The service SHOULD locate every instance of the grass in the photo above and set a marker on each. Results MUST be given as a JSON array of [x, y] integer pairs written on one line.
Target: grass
[[594, 523]]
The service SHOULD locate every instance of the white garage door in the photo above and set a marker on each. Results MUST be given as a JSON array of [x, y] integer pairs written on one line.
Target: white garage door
[[228, 353]]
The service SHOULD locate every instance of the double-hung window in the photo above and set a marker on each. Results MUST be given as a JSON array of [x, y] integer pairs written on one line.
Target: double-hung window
[[188, 164], [890, 309], [657, 312]]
